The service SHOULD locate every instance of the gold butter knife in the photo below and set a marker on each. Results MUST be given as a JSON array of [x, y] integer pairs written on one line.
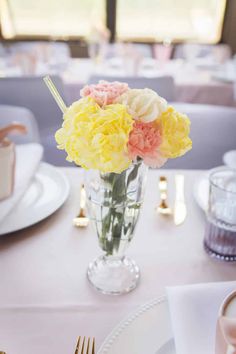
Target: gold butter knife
[[180, 210]]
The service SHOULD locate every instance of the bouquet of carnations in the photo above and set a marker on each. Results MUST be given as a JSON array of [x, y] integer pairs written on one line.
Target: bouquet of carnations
[[112, 126], [115, 131]]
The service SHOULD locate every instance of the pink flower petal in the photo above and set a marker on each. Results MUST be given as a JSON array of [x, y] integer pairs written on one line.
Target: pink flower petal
[[105, 92]]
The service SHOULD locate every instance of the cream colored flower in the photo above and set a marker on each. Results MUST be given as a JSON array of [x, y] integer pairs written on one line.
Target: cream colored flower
[[144, 105]]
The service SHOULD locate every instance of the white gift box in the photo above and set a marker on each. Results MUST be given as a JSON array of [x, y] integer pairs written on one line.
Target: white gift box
[[7, 168]]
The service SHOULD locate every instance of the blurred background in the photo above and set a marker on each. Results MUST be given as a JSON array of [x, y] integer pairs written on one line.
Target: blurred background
[[182, 49]]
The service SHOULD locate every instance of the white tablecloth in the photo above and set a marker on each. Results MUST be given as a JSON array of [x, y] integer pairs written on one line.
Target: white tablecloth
[[45, 298]]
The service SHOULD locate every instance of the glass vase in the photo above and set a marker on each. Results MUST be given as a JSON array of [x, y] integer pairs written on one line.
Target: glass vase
[[114, 202]]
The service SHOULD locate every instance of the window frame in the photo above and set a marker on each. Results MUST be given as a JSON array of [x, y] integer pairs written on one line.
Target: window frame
[[110, 20], [49, 38], [152, 40]]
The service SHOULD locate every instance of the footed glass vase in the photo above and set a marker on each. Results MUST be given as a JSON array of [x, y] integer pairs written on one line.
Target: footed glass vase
[[114, 202]]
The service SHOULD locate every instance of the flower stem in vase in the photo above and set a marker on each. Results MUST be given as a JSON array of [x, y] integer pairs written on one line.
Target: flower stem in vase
[[120, 219]]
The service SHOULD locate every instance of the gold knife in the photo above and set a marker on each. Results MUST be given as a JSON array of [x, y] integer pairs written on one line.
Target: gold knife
[[180, 210]]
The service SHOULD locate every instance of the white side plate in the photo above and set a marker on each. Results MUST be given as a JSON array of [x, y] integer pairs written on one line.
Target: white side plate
[[47, 192], [148, 330]]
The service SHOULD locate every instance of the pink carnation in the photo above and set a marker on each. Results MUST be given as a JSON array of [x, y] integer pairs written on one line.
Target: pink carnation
[[105, 92], [144, 141]]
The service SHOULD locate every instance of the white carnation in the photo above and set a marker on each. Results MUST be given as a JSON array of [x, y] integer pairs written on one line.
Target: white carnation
[[144, 105]]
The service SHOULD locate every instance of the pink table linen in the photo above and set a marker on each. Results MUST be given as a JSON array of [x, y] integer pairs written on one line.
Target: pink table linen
[[214, 93], [45, 298]]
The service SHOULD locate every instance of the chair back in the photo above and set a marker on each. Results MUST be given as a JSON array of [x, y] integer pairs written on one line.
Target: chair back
[[32, 93], [9, 114], [163, 85], [213, 132]]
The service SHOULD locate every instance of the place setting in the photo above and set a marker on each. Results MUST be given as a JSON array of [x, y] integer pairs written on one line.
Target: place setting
[[34, 189], [178, 317]]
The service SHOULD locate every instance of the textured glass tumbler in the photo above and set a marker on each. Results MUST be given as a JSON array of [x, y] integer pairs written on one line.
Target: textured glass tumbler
[[220, 232], [114, 202]]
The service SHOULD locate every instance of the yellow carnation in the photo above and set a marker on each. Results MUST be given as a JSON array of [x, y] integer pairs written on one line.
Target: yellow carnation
[[175, 129], [94, 137]]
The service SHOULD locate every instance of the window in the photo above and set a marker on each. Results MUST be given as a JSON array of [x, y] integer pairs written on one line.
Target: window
[[189, 20], [50, 18], [161, 20]]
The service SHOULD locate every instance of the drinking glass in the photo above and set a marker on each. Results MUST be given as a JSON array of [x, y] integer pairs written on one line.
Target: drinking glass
[[220, 232]]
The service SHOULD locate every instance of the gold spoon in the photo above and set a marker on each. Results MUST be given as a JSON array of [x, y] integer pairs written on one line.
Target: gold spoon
[[81, 220], [163, 208]]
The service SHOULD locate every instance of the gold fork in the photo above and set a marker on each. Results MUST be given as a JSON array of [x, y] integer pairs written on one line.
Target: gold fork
[[81, 220], [80, 349]]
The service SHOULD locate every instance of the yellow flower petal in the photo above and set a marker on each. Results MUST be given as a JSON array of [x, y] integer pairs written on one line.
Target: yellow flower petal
[[96, 138], [175, 128]]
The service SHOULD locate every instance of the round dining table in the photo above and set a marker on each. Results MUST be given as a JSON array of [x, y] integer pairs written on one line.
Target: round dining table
[[46, 301]]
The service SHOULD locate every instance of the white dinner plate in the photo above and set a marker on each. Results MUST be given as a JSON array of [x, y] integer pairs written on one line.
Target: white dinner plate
[[46, 193], [148, 330]]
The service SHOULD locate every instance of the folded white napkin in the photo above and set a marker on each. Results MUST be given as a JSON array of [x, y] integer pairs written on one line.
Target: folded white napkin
[[194, 310], [28, 157]]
